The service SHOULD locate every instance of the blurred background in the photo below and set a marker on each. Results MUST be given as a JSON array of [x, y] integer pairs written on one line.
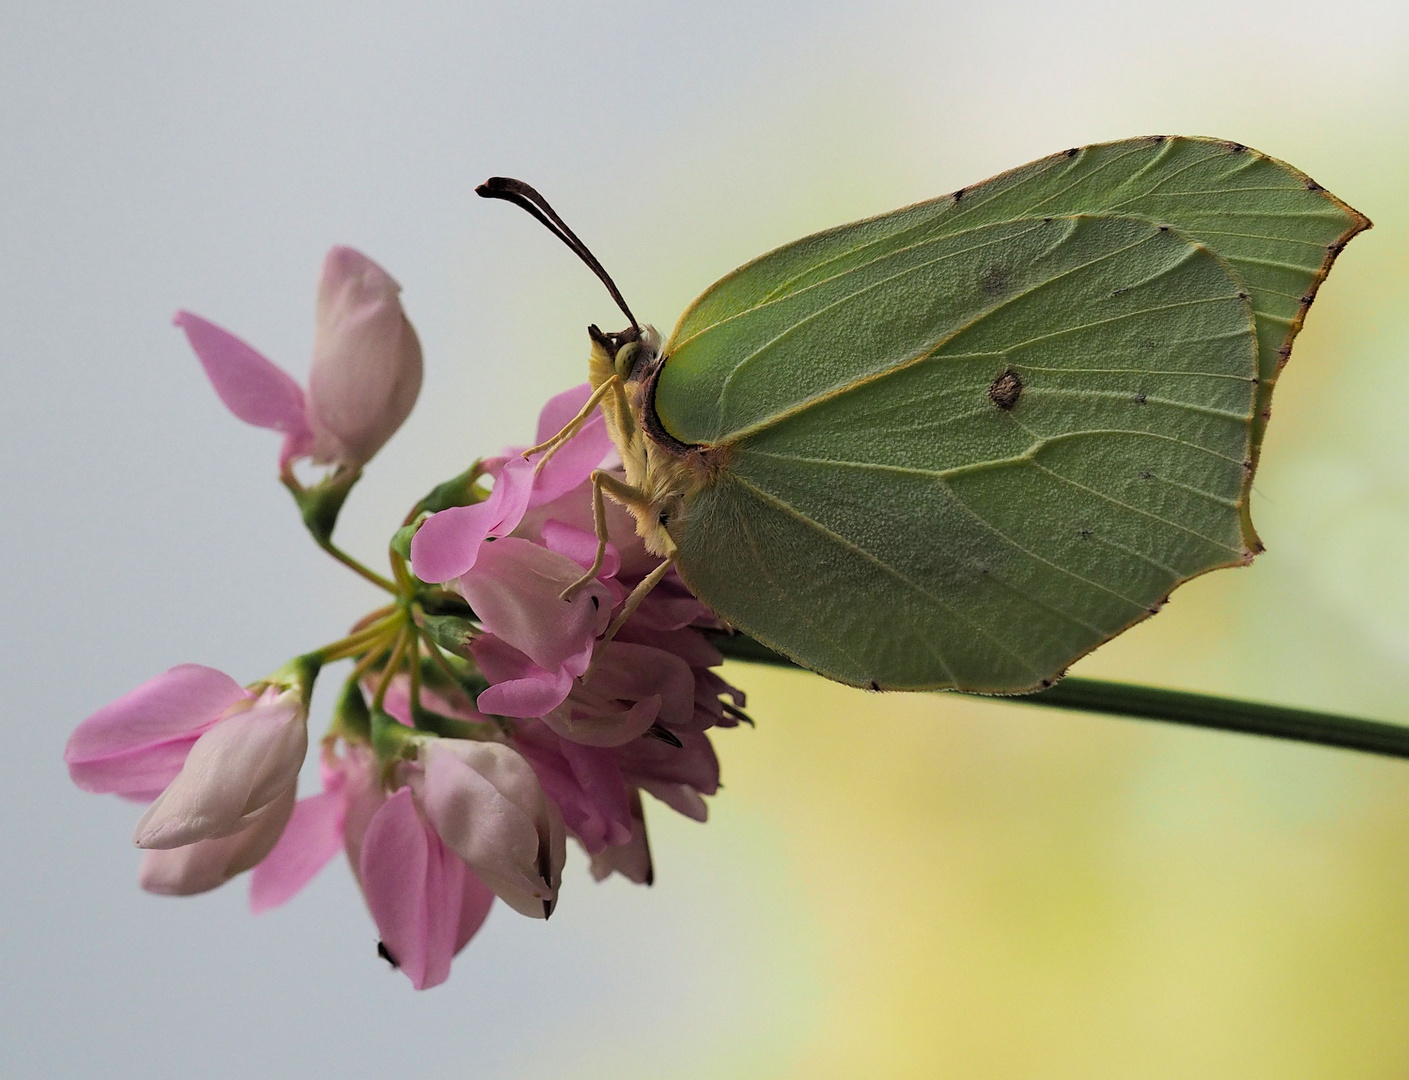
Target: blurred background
[[889, 885]]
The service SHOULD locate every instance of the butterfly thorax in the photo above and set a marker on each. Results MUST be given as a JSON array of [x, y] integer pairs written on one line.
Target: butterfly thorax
[[665, 473]]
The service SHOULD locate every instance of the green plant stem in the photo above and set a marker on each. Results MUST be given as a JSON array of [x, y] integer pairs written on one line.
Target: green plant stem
[[397, 652], [362, 640], [1172, 706], [352, 564]]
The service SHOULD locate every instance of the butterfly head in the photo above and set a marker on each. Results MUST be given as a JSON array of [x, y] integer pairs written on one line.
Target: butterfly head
[[633, 354]]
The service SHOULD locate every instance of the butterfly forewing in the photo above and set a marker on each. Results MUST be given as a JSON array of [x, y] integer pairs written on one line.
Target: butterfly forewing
[[964, 443], [1058, 436]]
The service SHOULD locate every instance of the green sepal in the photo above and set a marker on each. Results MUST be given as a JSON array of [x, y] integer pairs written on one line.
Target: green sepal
[[320, 504], [299, 674], [351, 718], [452, 632], [461, 490], [401, 539], [450, 727], [392, 740], [467, 677]]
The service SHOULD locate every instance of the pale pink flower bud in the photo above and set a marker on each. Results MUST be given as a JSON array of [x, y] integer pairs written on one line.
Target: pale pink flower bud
[[486, 803], [207, 864], [242, 764], [367, 366]]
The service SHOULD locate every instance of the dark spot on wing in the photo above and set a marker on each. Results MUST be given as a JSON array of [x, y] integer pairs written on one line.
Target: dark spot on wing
[[1005, 390], [994, 280], [385, 954]]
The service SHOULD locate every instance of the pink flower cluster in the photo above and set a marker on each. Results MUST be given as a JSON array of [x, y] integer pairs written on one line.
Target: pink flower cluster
[[563, 735]]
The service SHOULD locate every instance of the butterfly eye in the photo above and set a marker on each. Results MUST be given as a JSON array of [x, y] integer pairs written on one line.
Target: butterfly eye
[[626, 358]]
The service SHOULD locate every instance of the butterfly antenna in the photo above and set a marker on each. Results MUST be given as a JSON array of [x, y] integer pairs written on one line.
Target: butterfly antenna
[[525, 197]]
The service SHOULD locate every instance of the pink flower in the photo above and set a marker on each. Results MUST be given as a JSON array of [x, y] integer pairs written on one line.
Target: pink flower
[[207, 864], [585, 782], [472, 822], [365, 376], [485, 803], [239, 767], [136, 745], [426, 902], [221, 765], [515, 589]]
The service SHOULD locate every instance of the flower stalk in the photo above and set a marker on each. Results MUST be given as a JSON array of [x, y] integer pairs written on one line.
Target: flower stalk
[[1170, 706]]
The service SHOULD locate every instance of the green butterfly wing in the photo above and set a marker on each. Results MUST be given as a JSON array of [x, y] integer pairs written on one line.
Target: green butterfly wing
[[967, 442]]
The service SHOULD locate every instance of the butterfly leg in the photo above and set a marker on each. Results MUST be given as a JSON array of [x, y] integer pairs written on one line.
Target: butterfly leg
[[649, 582], [622, 492], [572, 427]]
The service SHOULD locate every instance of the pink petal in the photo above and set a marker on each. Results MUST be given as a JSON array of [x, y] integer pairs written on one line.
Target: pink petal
[[650, 761], [252, 387], [448, 544], [530, 697], [487, 805], [233, 771], [559, 409], [474, 909], [367, 365], [574, 461], [515, 590], [579, 546], [364, 794], [138, 742], [605, 728], [541, 748], [629, 672], [597, 772], [688, 644], [202, 866], [311, 838], [140, 774], [681, 798], [631, 860], [397, 703], [415, 889], [520, 688]]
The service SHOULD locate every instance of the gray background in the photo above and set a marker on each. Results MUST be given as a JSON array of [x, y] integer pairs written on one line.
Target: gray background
[[164, 155]]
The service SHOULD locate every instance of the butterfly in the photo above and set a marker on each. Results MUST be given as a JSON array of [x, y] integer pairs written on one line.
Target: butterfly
[[962, 444]]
